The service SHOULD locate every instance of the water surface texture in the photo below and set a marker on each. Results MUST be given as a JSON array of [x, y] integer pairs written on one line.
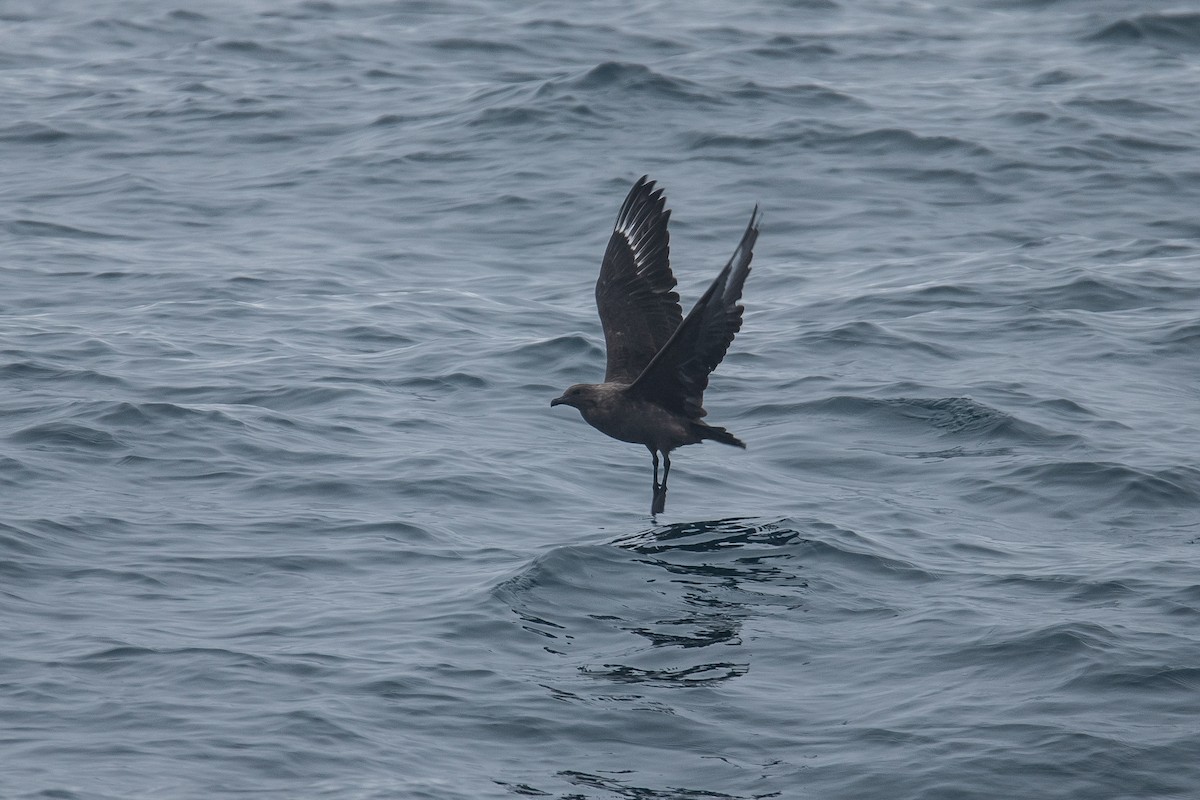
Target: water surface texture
[[287, 287]]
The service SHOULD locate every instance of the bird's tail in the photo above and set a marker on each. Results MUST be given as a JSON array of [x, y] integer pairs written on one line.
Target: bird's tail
[[717, 434]]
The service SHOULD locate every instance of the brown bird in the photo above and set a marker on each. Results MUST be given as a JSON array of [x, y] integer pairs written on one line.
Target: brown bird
[[658, 361]]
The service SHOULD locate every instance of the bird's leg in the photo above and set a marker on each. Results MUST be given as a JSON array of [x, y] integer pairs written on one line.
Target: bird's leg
[[654, 459], [660, 489]]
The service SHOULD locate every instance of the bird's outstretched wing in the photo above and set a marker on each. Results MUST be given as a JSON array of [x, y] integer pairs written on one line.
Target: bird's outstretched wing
[[678, 375], [635, 292]]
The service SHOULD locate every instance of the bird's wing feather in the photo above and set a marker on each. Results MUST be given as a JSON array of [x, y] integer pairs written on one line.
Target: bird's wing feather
[[635, 295], [678, 374]]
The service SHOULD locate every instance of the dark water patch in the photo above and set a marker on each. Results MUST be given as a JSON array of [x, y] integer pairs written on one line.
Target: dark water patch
[[167, 415], [67, 436], [731, 142], [322, 10], [558, 355], [956, 177], [1179, 339], [1181, 227], [186, 15], [1055, 77], [868, 334], [477, 47], [516, 116], [1176, 31], [1065, 585], [1066, 408], [813, 5], [467, 483], [964, 416], [1121, 106], [328, 490], [117, 30], [376, 335], [986, 493], [976, 551], [392, 119], [54, 230], [151, 586], [908, 301], [952, 187], [624, 78], [1159, 682], [790, 47], [903, 141], [1081, 158], [805, 94], [1064, 646], [1101, 293], [1117, 143], [948, 417], [201, 465], [255, 51], [1032, 320], [15, 473], [1107, 484], [267, 138], [1099, 592], [217, 107], [448, 383], [275, 569], [32, 133], [278, 398], [141, 662], [16, 543], [388, 531], [1028, 117]]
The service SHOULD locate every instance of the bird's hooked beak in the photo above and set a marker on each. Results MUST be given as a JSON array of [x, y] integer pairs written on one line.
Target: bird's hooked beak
[[558, 401]]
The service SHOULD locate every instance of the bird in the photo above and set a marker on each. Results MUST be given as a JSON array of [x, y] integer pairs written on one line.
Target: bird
[[658, 361]]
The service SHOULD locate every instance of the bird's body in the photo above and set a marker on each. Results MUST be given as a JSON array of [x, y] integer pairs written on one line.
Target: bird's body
[[624, 415], [658, 361]]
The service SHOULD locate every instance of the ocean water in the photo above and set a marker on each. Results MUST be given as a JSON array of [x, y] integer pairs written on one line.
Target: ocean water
[[285, 291]]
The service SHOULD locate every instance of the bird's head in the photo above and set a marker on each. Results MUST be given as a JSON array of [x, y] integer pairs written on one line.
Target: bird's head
[[581, 396]]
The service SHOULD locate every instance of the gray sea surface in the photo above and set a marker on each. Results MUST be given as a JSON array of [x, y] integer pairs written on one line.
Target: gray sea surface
[[286, 289]]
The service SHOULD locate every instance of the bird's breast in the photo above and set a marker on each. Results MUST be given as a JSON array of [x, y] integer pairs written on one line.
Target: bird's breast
[[640, 422]]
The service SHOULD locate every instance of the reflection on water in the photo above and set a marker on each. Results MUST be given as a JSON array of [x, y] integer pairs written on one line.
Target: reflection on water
[[701, 675], [663, 606], [708, 535]]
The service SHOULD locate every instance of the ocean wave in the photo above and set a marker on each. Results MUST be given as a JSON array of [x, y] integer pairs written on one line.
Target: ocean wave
[[1065, 647], [877, 142], [473, 46], [1178, 338], [624, 79], [793, 46], [1168, 30], [1075, 488], [809, 94], [67, 436], [57, 230], [870, 334], [949, 417]]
